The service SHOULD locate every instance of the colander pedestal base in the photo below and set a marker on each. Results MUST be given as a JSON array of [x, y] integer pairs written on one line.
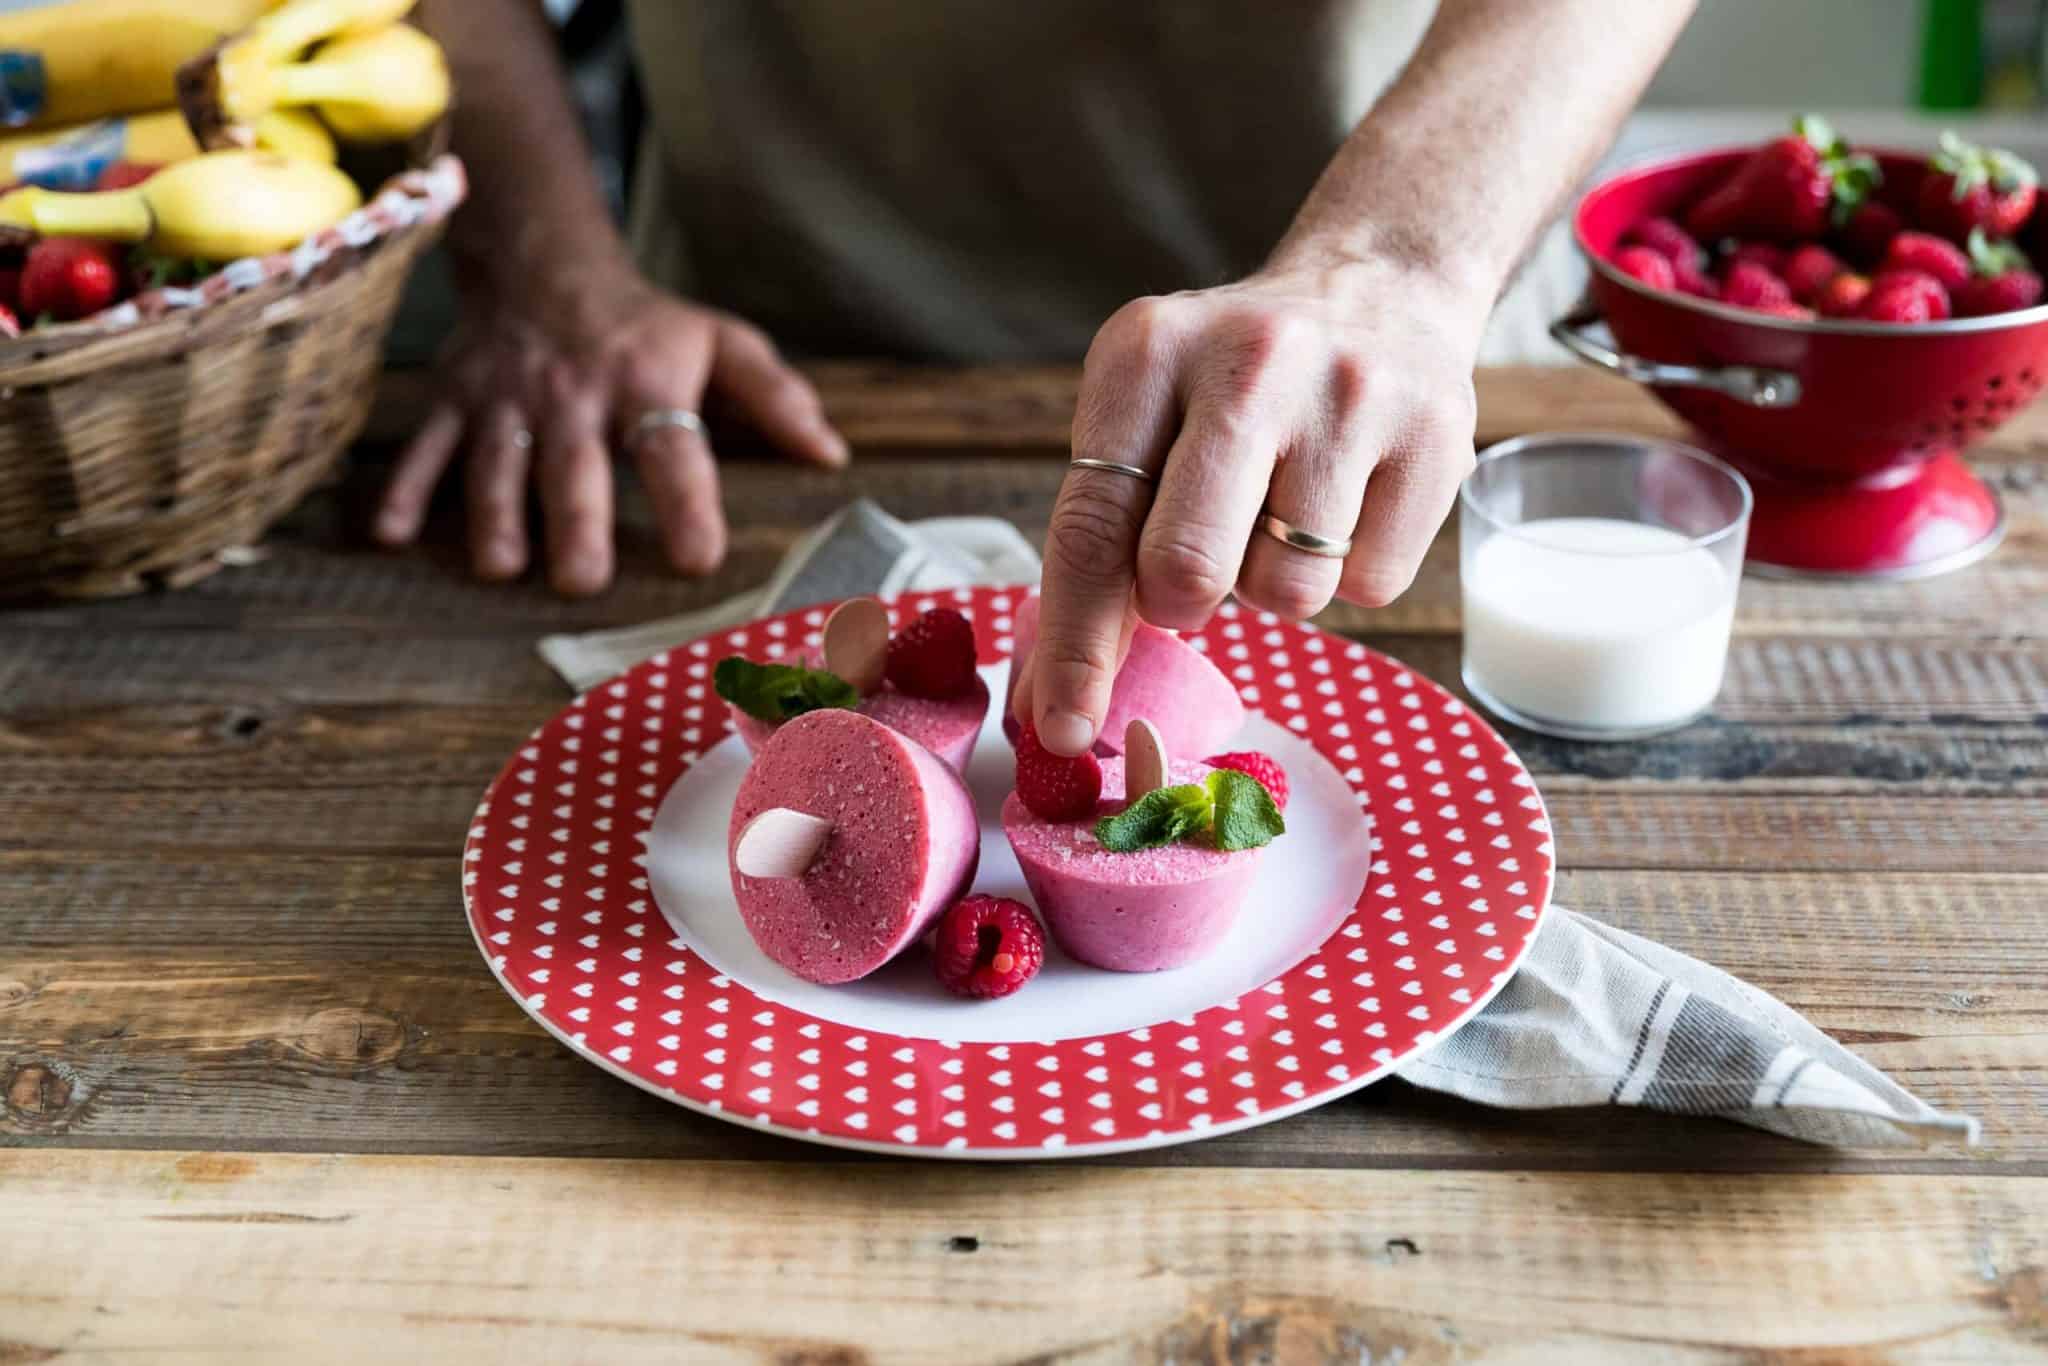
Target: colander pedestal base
[[1911, 523]]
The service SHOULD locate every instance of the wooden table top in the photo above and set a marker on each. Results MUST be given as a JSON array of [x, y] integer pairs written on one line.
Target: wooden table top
[[262, 1096]]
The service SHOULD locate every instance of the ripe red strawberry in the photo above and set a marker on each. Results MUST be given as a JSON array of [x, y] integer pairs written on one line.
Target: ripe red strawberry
[[1052, 787], [1693, 279], [1668, 240], [2007, 293], [1869, 232], [1648, 266], [1787, 188], [10, 326], [1926, 254], [69, 278], [1788, 309], [2003, 280], [1256, 764], [121, 175], [1906, 296], [1768, 255], [933, 656], [1967, 187], [987, 946], [1749, 285], [1843, 296], [1808, 270]]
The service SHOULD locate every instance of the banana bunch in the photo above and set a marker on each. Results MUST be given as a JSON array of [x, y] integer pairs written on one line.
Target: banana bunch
[[216, 206], [368, 76], [91, 58], [74, 158]]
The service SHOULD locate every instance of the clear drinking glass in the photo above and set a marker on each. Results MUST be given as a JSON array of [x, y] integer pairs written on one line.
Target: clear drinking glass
[[1599, 575]]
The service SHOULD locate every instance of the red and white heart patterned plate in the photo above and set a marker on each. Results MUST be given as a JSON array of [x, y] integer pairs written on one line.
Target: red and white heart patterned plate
[[593, 879]]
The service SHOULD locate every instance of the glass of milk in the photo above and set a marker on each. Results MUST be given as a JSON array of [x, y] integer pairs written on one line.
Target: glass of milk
[[1599, 576]]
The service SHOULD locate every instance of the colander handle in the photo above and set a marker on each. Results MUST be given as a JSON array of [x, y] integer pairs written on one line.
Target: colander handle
[[1758, 388]]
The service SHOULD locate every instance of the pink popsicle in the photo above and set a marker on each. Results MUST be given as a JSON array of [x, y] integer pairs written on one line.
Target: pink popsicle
[[1164, 679], [1137, 912], [947, 726], [903, 844]]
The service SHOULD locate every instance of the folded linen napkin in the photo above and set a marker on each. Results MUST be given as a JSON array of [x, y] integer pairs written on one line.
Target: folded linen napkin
[[1594, 1016]]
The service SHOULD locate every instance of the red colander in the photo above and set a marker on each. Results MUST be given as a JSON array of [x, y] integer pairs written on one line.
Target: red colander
[[1851, 433]]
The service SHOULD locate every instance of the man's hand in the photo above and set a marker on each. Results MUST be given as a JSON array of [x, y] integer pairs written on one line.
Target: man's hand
[[1334, 388], [547, 386], [1338, 399]]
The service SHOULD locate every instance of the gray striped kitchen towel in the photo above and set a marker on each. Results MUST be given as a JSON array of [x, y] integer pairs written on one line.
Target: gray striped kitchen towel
[[1594, 1016], [1599, 1016]]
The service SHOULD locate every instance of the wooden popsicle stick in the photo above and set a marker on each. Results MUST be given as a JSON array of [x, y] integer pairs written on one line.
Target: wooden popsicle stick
[[1145, 758], [857, 642], [780, 842]]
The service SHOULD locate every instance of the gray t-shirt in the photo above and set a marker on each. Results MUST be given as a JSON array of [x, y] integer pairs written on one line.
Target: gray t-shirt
[[986, 179]]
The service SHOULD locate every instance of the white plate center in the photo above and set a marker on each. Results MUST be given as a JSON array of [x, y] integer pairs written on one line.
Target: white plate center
[[1307, 882]]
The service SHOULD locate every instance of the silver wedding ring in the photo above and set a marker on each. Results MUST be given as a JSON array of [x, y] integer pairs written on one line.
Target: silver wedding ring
[[660, 419], [1113, 466], [1308, 542], [522, 439]]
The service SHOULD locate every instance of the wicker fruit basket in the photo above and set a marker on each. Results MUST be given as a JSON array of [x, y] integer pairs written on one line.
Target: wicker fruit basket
[[145, 446]]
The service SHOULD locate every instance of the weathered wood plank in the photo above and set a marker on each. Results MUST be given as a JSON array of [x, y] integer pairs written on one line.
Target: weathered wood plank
[[338, 1002], [340, 1259], [317, 578], [1028, 409]]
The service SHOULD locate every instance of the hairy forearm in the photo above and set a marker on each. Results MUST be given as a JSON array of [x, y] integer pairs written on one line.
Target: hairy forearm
[[534, 199], [1504, 106]]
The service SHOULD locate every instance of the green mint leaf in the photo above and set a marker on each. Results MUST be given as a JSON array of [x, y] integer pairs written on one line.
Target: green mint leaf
[[1161, 816], [776, 692], [1245, 814]]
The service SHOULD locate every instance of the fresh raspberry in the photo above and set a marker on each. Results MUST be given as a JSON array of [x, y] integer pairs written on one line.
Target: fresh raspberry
[[1766, 254], [2007, 293], [1646, 265], [1750, 285], [1905, 296], [1255, 764], [1054, 787], [1808, 270], [987, 946], [1843, 296], [1669, 241], [1868, 234], [1929, 255], [933, 656]]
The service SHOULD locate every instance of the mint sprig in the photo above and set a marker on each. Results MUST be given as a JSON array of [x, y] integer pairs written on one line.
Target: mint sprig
[[1233, 809], [776, 692]]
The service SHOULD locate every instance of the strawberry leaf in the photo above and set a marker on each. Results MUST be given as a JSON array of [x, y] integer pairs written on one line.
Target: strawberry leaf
[[1991, 258]]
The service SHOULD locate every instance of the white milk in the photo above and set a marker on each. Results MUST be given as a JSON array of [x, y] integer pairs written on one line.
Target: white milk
[[1569, 620]]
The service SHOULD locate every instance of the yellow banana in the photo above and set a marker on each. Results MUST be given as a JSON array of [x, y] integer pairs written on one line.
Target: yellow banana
[[61, 63], [298, 24], [383, 85], [72, 158], [218, 206]]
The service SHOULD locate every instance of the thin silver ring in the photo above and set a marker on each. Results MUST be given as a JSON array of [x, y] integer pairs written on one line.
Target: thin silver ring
[[660, 419], [522, 439], [1287, 533], [1080, 462]]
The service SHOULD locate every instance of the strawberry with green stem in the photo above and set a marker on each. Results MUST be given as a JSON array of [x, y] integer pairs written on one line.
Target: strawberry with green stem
[[1968, 189], [1789, 189], [2002, 280]]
